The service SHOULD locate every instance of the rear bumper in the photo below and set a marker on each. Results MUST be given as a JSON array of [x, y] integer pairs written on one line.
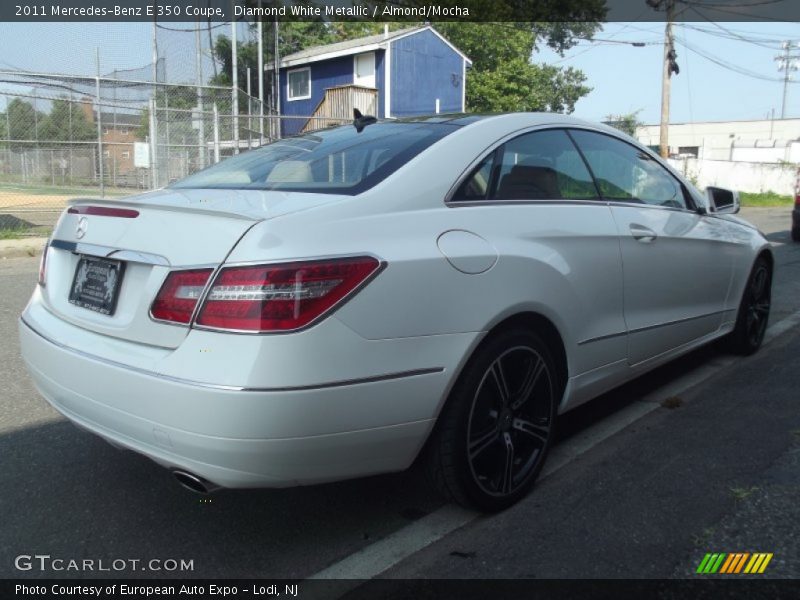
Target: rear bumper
[[236, 437]]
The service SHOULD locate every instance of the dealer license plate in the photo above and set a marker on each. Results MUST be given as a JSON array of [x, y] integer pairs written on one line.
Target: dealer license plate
[[96, 284]]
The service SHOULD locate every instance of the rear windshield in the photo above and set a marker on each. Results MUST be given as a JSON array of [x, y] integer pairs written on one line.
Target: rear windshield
[[332, 161]]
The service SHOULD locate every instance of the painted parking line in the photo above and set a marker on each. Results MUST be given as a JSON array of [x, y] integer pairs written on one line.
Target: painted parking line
[[376, 558]]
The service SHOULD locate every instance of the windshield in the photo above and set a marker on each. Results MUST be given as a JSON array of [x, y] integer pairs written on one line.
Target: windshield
[[333, 161]]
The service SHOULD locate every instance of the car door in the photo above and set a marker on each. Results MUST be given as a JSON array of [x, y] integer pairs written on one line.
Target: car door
[[534, 198], [676, 264]]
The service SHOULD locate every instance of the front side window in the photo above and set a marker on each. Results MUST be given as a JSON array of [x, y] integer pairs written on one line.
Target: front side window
[[299, 83], [542, 165], [332, 161], [626, 173]]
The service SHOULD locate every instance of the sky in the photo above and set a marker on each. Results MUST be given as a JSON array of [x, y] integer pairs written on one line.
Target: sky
[[623, 78], [627, 79]]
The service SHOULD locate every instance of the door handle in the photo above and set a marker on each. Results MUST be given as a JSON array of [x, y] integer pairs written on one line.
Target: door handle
[[643, 234]]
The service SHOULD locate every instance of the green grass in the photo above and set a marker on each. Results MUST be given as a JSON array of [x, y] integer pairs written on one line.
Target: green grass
[[65, 190], [13, 233], [19, 233], [765, 199]]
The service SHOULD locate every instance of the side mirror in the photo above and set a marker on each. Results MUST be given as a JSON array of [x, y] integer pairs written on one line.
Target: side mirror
[[722, 201]]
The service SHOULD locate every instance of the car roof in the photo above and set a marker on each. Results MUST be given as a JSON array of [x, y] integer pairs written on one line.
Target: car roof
[[523, 119]]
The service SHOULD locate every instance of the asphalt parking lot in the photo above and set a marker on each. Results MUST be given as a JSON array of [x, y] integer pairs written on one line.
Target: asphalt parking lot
[[709, 464]]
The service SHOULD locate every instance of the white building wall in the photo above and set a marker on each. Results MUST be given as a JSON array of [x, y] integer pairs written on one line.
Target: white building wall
[[741, 176], [715, 140], [760, 155]]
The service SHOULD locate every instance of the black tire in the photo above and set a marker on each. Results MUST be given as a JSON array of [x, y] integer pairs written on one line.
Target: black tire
[[753, 316], [489, 445], [796, 234]]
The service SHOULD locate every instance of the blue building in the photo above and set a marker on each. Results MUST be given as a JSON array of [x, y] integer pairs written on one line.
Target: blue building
[[401, 73]]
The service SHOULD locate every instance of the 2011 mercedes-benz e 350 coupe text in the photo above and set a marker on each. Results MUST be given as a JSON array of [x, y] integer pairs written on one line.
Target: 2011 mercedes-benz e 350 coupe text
[[337, 304]]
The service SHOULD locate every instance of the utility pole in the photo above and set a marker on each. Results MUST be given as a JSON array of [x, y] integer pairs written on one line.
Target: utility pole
[[787, 62], [670, 67]]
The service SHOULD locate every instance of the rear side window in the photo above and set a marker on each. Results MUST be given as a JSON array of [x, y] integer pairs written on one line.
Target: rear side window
[[334, 161], [627, 173], [542, 165]]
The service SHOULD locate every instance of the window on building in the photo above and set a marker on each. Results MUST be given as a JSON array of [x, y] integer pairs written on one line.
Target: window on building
[[107, 154], [689, 150], [123, 131], [125, 155], [299, 84]]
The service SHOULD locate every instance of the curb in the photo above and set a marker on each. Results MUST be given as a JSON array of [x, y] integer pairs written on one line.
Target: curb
[[21, 248]]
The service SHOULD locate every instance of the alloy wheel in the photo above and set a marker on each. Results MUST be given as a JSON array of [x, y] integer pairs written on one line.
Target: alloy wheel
[[757, 309], [510, 421]]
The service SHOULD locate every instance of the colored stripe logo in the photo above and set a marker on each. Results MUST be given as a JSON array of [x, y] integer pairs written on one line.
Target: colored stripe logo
[[734, 563]]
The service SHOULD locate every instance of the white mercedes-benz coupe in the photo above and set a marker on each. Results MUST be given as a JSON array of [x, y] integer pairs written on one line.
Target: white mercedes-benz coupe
[[338, 304]]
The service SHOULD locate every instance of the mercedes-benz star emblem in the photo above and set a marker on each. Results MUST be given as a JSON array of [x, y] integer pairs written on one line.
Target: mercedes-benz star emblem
[[83, 225]]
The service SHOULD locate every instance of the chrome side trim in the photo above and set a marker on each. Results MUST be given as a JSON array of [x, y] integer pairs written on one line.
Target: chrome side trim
[[687, 319], [649, 327], [460, 203], [140, 257], [602, 337], [107, 252], [624, 204], [236, 388]]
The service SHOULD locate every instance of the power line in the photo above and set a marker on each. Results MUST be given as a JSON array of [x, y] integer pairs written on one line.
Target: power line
[[729, 5], [726, 64], [744, 32], [771, 44], [191, 30], [727, 9], [728, 33]]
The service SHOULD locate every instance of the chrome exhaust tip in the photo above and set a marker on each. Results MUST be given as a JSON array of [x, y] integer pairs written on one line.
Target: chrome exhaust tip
[[194, 483]]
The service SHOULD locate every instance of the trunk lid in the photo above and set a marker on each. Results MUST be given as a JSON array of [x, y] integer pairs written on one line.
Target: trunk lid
[[153, 234]]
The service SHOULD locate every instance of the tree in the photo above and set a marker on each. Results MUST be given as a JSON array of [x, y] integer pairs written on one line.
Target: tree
[[293, 36], [66, 122], [3, 130], [503, 78], [626, 123], [22, 120], [172, 104]]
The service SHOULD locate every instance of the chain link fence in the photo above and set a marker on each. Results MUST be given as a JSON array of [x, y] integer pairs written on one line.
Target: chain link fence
[[113, 136]]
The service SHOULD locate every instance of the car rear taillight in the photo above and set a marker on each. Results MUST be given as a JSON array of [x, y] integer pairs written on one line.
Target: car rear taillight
[[43, 265], [282, 297], [104, 211], [178, 296]]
